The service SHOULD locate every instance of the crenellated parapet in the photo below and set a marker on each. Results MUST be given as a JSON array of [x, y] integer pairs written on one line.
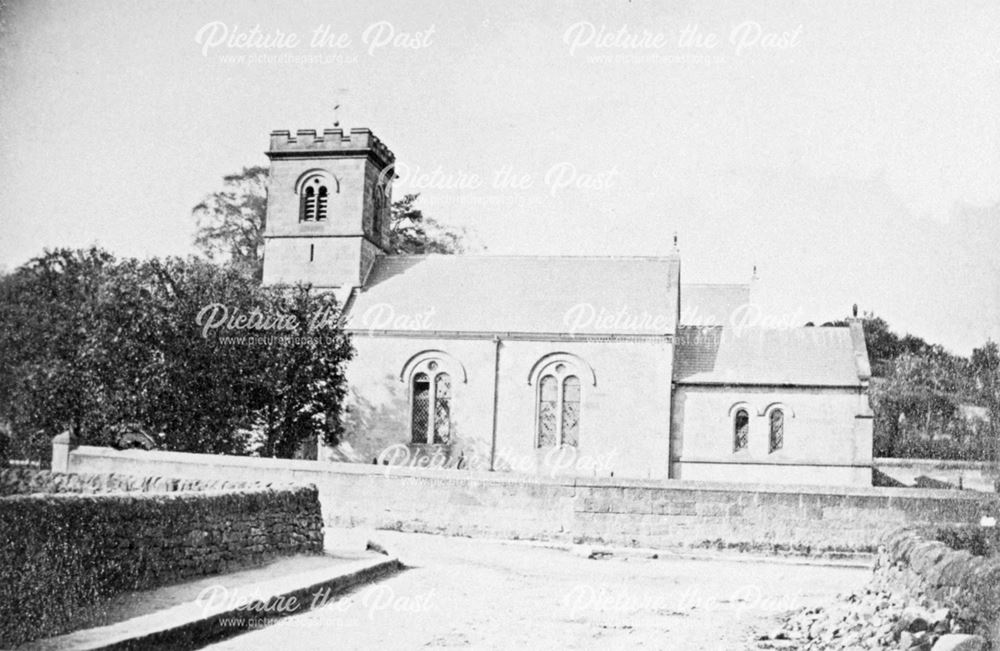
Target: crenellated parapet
[[307, 143]]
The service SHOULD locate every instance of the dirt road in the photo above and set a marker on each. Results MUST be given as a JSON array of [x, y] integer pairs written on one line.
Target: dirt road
[[462, 593]]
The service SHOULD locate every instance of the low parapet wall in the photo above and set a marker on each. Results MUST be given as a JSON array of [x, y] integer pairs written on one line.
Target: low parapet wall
[[799, 519]]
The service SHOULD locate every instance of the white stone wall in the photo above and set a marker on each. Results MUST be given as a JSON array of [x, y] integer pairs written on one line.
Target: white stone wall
[[795, 475], [664, 513], [345, 208], [827, 435], [337, 244], [336, 261], [624, 425]]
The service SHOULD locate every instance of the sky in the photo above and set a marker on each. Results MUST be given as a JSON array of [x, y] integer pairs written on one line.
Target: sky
[[849, 150]]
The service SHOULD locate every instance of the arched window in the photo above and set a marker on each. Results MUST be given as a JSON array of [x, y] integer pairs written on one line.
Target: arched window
[[420, 408], [307, 206], [777, 429], [558, 407], [741, 430], [430, 405], [548, 405], [314, 197], [321, 199], [442, 408], [571, 411]]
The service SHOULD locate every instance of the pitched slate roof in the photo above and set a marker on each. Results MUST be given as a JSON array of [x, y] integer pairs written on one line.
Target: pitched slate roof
[[712, 304], [517, 294], [757, 356]]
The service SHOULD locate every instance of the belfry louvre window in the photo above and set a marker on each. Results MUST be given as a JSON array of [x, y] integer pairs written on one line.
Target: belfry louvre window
[[558, 408], [741, 430], [321, 199], [777, 430], [313, 203], [430, 407]]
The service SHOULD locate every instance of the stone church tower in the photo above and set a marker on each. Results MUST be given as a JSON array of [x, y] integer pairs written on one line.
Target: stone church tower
[[328, 206]]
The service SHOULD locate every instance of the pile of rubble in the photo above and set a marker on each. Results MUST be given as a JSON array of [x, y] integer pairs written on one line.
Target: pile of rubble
[[873, 619]]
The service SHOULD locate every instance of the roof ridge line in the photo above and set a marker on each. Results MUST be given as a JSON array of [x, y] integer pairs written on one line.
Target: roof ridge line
[[486, 256], [716, 284]]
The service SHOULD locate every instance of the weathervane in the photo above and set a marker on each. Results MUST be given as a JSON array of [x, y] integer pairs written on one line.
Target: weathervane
[[336, 106]]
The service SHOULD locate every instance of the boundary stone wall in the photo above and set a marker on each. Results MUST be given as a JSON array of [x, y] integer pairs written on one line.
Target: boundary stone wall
[[915, 562], [63, 553], [25, 481], [807, 520]]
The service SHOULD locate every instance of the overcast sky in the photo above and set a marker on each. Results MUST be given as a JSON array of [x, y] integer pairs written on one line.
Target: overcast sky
[[850, 150]]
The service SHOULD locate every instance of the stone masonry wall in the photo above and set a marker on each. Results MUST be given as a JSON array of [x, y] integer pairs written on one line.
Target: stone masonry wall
[[25, 481], [807, 520], [924, 595], [64, 552], [928, 570]]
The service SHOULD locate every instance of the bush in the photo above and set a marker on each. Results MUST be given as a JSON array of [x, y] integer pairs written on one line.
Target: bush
[[978, 541]]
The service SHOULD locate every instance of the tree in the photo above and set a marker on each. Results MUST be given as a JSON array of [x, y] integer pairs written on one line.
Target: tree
[[410, 232], [50, 364], [985, 366], [882, 343], [919, 394], [98, 345], [920, 404], [884, 346], [304, 375], [231, 223]]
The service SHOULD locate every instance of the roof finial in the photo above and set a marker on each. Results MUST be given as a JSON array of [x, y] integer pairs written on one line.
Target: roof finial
[[675, 240], [754, 276]]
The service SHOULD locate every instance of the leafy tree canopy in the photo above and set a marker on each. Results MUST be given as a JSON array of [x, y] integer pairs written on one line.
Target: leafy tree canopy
[[925, 398], [98, 345], [231, 223]]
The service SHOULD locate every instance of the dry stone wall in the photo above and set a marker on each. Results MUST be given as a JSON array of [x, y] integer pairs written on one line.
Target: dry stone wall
[[61, 553], [967, 584], [924, 595], [25, 481]]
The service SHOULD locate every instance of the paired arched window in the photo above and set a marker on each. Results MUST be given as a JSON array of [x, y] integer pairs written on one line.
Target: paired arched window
[[559, 407], [430, 406], [741, 430], [777, 430], [314, 198], [774, 415]]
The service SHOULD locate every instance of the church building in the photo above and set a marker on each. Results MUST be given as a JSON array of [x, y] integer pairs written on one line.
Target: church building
[[605, 366]]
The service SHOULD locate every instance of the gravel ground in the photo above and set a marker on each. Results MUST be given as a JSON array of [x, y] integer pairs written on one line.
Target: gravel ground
[[463, 593]]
